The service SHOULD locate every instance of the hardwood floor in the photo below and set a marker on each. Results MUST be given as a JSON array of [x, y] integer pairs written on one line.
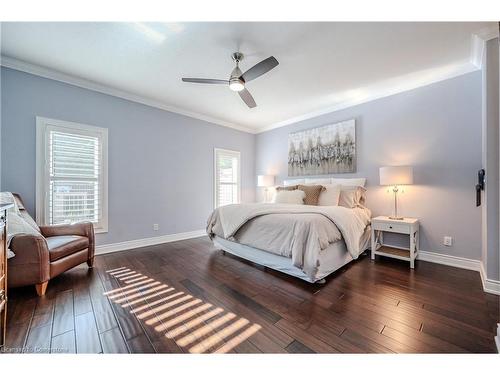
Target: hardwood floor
[[188, 297]]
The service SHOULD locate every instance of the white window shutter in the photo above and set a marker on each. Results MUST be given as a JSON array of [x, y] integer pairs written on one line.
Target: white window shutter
[[227, 177], [74, 188]]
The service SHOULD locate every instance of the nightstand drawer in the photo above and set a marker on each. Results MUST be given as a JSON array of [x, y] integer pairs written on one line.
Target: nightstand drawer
[[391, 227]]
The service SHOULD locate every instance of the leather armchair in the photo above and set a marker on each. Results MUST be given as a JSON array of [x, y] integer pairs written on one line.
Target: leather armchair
[[43, 256]]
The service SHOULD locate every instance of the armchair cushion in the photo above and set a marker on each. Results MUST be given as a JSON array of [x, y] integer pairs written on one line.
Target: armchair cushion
[[62, 246]]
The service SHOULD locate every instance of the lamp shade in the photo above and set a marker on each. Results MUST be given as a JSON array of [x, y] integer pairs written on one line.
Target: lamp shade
[[401, 175], [265, 180]]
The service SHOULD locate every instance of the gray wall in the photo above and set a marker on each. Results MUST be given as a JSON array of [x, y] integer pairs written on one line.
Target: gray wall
[[491, 160], [160, 163], [437, 129]]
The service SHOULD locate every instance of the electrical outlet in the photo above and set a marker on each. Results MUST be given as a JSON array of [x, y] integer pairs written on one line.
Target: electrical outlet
[[155, 227], [447, 241]]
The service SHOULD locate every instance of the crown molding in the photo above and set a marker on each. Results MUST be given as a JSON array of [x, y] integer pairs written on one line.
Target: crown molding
[[388, 88], [478, 44], [44, 72], [368, 93]]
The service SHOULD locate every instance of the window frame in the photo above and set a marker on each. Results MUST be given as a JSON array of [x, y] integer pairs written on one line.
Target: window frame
[[43, 127], [238, 155]]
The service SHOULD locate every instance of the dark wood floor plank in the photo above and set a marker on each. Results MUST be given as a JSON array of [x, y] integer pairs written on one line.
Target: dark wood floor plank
[[298, 347], [365, 307], [63, 313], [113, 342], [304, 337], [64, 343], [38, 341], [87, 336]]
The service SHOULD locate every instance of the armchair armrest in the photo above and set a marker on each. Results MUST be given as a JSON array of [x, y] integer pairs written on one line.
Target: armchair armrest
[[78, 229], [85, 229], [31, 263]]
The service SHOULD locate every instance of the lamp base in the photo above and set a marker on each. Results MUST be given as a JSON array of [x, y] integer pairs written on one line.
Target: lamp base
[[396, 218]]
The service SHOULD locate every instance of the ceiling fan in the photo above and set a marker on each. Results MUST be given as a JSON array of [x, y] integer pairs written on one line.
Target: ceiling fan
[[237, 79]]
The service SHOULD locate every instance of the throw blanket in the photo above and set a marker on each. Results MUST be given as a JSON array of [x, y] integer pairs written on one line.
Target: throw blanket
[[15, 222], [227, 220]]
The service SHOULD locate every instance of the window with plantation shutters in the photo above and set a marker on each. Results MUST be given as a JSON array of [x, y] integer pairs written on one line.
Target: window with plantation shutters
[[227, 177], [71, 174]]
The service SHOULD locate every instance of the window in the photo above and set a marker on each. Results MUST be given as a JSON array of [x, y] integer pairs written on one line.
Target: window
[[71, 173], [227, 177]]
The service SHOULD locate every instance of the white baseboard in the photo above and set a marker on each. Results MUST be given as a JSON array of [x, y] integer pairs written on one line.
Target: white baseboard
[[450, 260], [143, 242], [497, 338], [489, 285]]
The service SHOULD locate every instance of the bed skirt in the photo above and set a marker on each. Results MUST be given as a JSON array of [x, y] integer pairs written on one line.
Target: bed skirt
[[331, 259]]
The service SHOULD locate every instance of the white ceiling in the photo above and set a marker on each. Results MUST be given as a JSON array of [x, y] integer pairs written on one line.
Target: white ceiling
[[323, 66]]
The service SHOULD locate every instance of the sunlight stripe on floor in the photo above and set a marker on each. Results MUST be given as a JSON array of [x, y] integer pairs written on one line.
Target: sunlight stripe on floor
[[156, 302], [238, 339], [206, 329], [163, 307], [181, 318], [193, 323], [215, 339], [146, 298], [173, 311]]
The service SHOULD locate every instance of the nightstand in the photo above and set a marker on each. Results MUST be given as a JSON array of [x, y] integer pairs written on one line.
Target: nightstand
[[408, 226]]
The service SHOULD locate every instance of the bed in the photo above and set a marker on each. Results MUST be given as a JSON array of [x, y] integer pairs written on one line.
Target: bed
[[305, 241]]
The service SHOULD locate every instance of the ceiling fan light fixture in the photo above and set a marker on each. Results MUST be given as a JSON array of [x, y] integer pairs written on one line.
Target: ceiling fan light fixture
[[236, 85]]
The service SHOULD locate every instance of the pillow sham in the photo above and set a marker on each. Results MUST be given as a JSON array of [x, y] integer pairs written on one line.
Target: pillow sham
[[312, 193], [287, 188], [352, 196], [290, 196], [330, 196]]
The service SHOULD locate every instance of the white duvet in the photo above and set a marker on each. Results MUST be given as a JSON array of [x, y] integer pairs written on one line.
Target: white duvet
[[296, 231]]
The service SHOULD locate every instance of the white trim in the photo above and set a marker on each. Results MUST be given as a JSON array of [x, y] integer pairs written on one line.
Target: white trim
[[488, 32], [151, 241], [477, 51], [478, 44], [235, 153], [449, 260], [41, 178], [489, 285], [41, 71], [391, 87], [497, 338]]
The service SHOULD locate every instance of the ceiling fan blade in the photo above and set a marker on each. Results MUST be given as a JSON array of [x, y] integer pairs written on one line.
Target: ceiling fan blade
[[206, 80], [247, 98], [261, 68]]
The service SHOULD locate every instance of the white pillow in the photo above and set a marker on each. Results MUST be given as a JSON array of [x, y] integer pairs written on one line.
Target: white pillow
[[329, 196], [349, 181], [290, 196], [297, 181], [318, 181]]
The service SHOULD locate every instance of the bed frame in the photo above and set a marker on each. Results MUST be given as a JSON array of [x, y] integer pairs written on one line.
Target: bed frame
[[331, 259]]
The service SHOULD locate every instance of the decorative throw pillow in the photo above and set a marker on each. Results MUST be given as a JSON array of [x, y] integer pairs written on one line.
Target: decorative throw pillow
[[290, 197], [329, 196], [288, 188], [312, 193], [352, 196]]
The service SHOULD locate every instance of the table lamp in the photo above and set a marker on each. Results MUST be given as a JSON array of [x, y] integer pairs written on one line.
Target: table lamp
[[396, 176], [265, 181]]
